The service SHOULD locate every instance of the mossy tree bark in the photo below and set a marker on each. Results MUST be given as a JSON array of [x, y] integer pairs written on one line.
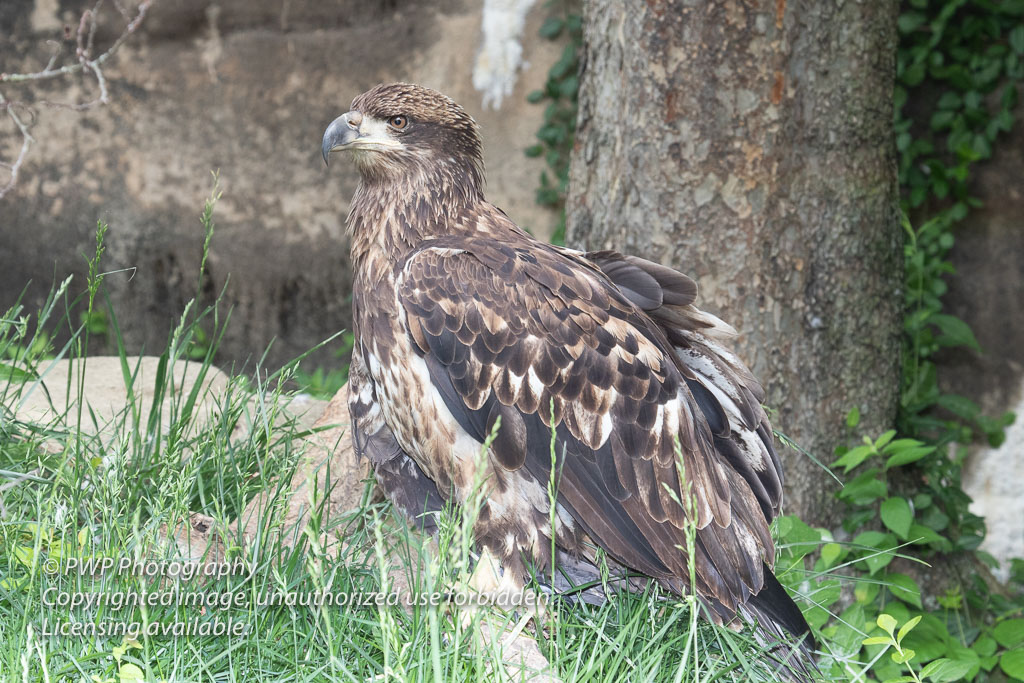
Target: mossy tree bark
[[750, 145]]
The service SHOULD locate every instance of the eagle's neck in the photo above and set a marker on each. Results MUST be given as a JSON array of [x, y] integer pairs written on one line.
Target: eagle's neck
[[392, 215]]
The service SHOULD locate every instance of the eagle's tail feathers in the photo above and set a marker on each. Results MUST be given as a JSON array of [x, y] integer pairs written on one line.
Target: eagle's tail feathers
[[781, 624]]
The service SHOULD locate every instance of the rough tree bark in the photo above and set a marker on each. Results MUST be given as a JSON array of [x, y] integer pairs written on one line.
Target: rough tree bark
[[750, 145]]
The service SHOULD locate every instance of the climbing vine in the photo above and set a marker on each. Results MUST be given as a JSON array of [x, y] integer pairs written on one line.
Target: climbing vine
[[959, 68], [555, 137]]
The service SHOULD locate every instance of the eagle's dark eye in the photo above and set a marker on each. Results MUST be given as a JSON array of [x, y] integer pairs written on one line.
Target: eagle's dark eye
[[398, 122]]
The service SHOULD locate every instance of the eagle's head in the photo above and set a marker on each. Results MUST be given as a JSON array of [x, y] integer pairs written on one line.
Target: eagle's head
[[397, 130]]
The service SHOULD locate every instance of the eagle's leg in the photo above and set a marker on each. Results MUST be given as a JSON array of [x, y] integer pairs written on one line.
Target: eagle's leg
[[492, 583], [410, 490]]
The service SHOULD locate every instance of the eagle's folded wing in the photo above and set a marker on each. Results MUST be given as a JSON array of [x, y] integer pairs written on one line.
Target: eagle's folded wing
[[539, 340], [742, 432]]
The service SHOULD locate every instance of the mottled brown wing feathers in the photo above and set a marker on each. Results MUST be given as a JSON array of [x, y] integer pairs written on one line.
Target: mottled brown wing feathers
[[647, 284], [725, 390], [527, 334]]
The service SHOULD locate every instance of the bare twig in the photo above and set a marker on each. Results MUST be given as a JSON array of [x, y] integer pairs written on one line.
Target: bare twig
[[69, 69], [26, 142], [92, 26], [84, 63]]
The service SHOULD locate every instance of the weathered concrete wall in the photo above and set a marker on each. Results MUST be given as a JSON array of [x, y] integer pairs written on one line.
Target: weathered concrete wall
[[246, 87], [988, 292], [988, 288], [993, 479]]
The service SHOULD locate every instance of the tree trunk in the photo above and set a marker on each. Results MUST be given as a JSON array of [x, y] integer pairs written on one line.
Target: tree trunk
[[750, 145]]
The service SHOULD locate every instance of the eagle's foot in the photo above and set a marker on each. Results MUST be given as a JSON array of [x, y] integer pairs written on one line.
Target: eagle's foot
[[492, 584]]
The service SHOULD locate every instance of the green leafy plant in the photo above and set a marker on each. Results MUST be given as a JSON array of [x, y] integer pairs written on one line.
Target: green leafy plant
[[927, 330], [953, 636], [959, 68], [941, 669], [555, 136]]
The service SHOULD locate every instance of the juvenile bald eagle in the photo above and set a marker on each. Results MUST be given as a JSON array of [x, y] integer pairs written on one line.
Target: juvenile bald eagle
[[462, 318]]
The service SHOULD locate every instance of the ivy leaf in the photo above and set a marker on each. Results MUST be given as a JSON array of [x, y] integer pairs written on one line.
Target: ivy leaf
[[914, 74], [950, 100], [985, 646], [935, 518], [1016, 38], [907, 456], [887, 623], [878, 551], [853, 417], [884, 439], [565, 64], [903, 141], [798, 539], [568, 87], [931, 638], [853, 457], [897, 516], [919, 533], [955, 332], [945, 670], [1009, 96], [830, 553], [827, 593], [899, 444], [1009, 633], [866, 592], [904, 588], [551, 28], [942, 119], [1012, 664], [863, 490], [907, 628], [877, 640], [911, 21]]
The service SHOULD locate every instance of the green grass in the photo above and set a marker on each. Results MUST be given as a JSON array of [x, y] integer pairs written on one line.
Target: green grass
[[76, 488], [84, 485]]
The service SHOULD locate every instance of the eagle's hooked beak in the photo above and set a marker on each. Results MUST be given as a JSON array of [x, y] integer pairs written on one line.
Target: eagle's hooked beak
[[343, 131]]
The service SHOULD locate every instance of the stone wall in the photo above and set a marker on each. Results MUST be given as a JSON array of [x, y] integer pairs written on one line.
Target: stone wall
[[246, 87]]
